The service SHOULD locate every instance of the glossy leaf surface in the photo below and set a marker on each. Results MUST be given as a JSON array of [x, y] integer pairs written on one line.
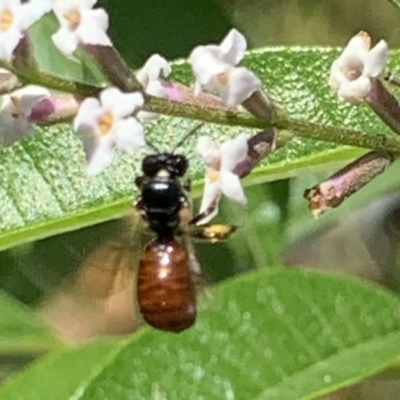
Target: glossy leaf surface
[[274, 334]]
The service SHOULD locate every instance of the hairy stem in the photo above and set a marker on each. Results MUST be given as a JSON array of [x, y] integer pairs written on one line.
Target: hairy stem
[[306, 129]]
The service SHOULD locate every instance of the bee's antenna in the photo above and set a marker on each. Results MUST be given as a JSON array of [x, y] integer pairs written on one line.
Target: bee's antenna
[[151, 145], [187, 135]]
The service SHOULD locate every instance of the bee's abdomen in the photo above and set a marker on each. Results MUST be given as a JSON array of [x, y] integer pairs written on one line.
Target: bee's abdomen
[[166, 293]]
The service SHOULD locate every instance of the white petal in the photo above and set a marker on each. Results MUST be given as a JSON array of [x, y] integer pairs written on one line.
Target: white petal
[[212, 194], [359, 43], [89, 112], [233, 152], [376, 60], [92, 29], [155, 88], [129, 135], [99, 16], [197, 88], [206, 65], [337, 77], [353, 54], [86, 3], [8, 43], [120, 104], [232, 188], [233, 47], [30, 12], [242, 83], [101, 157], [32, 90], [65, 40], [12, 128], [355, 91], [210, 151], [62, 7], [111, 96], [152, 70], [145, 117], [29, 96], [10, 4]]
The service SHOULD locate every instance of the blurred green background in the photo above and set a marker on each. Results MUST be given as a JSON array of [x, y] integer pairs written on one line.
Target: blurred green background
[[277, 223]]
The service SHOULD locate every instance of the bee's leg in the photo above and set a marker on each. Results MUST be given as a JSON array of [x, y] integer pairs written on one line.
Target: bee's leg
[[209, 210], [139, 181], [188, 185], [212, 232]]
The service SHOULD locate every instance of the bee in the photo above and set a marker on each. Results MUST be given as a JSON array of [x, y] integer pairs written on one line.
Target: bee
[[166, 288], [116, 270]]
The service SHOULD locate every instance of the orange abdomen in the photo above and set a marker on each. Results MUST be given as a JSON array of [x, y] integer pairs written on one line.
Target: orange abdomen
[[166, 293]]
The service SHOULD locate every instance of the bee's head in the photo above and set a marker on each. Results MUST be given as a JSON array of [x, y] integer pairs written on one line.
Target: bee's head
[[175, 164]]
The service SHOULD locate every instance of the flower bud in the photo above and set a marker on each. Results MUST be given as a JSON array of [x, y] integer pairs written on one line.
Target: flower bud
[[349, 180]]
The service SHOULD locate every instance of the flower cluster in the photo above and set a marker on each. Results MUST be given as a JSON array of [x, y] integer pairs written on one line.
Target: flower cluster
[[352, 72], [216, 71], [221, 161], [115, 117], [107, 123]]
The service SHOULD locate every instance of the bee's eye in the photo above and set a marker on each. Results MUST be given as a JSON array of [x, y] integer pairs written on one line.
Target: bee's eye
[[151, 165], [180, 164]]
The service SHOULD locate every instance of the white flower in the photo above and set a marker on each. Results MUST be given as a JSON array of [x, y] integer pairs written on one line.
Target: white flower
[[149, 77], [215, 69], [108, 123], [79, 24], [220, 162], [15, 113], [15, 19], [351, 73]]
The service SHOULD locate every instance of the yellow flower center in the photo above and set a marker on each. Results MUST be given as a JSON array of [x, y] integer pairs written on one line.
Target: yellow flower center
[[74, 18], [222, 78], [213, 175], [366, 38], [6, 20], [105, 123], [16, 112]]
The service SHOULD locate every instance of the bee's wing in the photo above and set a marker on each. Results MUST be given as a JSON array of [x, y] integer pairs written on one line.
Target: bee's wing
[[110, 267], [100, 297]]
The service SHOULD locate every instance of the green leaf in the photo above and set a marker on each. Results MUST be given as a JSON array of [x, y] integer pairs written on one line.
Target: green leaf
[[76, 366], [43, 185], [52, 61], [396, 3], [275, 334], [21, 332]]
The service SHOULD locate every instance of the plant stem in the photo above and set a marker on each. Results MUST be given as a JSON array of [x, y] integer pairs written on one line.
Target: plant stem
[[302, 128], [306, 129]]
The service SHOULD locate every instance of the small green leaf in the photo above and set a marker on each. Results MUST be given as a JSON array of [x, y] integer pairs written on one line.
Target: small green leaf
[[21, 331], [53, 62], [43, 185], [275, 334]]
